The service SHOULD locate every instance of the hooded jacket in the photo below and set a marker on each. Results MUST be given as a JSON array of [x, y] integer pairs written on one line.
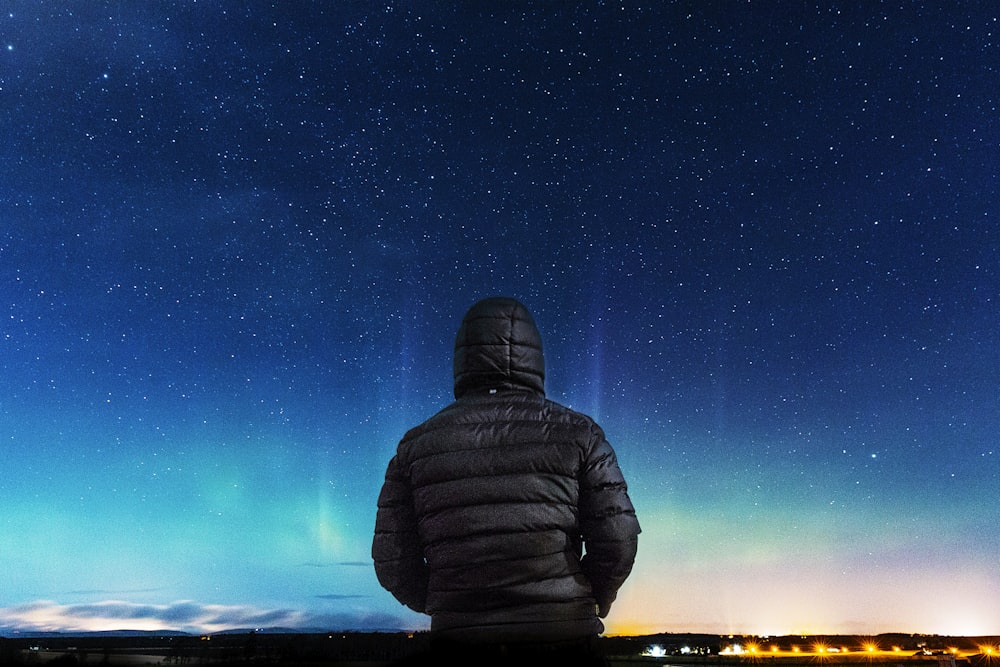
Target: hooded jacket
[[489, 506]]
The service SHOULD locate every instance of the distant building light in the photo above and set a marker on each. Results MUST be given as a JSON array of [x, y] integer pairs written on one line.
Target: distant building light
[[655, 651]]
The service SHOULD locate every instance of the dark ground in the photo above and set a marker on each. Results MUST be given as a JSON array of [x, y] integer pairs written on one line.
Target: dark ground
[[374, 649]]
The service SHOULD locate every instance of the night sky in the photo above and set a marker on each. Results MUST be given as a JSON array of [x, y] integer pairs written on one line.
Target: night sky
[[760, 241]]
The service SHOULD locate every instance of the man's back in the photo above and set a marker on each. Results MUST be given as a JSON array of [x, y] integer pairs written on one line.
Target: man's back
[[488, 504]]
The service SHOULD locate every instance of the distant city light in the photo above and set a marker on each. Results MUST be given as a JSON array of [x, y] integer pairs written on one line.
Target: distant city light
[[657, 651]]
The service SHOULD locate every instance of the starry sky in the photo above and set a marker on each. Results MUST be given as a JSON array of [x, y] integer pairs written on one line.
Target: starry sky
[[759, 239]]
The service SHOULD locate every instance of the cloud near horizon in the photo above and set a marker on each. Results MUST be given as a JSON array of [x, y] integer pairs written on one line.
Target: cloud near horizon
[[184, 615]]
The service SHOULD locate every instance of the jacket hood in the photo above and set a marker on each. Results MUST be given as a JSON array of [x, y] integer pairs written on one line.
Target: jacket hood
[[498, 347]]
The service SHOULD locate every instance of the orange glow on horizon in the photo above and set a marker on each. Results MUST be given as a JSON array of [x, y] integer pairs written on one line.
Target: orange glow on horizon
[[630, 629]]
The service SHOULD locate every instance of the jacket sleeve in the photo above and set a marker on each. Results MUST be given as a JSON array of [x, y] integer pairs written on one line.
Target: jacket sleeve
[[608, 523], [396, 548]]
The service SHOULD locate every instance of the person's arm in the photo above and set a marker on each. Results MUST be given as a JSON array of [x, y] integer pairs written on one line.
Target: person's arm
[[396, 549], [608, 524]]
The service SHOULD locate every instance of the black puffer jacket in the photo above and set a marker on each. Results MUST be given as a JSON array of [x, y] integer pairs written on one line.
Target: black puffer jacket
[[487, 506]]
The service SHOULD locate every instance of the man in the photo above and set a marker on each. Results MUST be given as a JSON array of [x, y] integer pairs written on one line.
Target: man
[[505, 516]]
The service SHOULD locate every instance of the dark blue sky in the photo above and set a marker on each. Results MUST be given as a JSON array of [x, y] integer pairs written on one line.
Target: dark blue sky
[[759, 240]]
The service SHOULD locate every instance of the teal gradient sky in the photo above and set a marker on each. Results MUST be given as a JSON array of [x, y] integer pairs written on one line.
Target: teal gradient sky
[[759, 240]]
